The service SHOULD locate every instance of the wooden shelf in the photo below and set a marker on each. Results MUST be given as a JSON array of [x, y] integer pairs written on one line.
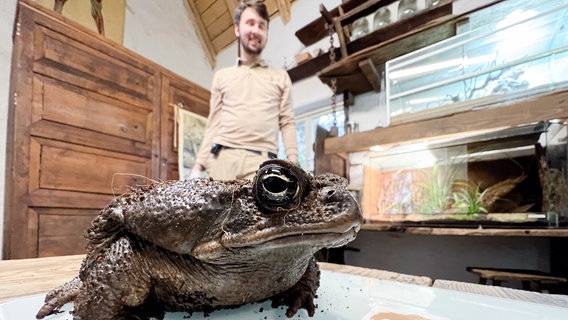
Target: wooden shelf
[[310, 67], [450, 231], [350, 78], [315, 30], [539, 108], [360, 62], [375, 49]]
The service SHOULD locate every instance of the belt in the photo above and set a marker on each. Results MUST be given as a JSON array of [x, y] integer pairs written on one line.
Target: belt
[[270, 155]]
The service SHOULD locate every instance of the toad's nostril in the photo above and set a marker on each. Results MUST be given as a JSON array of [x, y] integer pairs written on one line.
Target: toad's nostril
[[330, 194]]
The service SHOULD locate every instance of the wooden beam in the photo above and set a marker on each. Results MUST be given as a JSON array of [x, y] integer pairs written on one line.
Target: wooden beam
[[371, 73], [539, 108], [285, 10], [491, 232], [213, 13], [232, 5], [201, 31], [224, 39], [326, 14]]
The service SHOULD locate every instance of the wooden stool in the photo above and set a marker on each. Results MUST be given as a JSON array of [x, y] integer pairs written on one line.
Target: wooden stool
[[497, 275]]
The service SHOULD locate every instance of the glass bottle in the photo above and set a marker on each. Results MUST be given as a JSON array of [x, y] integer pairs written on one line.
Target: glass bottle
[[360, 28], [381, 18], [406, 8]]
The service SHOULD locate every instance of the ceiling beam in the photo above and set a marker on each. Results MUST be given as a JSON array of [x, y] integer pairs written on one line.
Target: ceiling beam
[[284, 7], [232, 5]]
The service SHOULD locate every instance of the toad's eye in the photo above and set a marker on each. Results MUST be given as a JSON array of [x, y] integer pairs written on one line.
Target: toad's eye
[[276, 187]]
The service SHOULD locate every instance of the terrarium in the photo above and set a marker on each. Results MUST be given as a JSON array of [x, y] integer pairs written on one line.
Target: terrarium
[[513, 176], [523, 55]]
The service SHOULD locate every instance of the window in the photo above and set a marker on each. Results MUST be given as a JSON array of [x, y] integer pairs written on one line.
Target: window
[[306, 125]]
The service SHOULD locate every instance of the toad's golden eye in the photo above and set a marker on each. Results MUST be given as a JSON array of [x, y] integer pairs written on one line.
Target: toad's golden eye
[[276, 188]]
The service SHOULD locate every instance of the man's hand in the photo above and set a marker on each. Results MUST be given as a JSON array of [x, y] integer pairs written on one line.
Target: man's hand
[[196, 171]]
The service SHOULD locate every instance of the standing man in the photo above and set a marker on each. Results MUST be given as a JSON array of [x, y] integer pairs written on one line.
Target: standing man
[[250, 103]]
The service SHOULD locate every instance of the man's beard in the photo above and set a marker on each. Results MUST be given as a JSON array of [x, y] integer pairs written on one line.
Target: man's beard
[[250, 50]]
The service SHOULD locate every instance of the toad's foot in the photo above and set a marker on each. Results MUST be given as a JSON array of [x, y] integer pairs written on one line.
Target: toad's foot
[[302, 294], [56, 298]]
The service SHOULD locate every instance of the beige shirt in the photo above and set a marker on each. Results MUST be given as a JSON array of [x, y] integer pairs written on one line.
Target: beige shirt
[[249, 105]]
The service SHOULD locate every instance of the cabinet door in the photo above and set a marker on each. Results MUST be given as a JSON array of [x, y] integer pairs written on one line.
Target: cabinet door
[[177, 92], [83, 124]]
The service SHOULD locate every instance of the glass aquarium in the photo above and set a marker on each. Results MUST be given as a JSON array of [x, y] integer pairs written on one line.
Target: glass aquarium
[[513, 176], [523, 55]]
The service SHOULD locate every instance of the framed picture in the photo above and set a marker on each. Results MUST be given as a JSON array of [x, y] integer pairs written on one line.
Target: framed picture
[[191, 127]]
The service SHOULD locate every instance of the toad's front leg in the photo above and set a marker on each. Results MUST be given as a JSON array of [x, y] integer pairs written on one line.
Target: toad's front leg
[[302, 294], [58, 297], [113, 284]]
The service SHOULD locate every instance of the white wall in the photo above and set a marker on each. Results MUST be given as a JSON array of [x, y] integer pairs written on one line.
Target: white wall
[[162, 32]]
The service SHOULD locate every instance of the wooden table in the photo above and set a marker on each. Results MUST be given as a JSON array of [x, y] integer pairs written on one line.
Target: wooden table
[[498, 275], [25, 277], [22, 277]]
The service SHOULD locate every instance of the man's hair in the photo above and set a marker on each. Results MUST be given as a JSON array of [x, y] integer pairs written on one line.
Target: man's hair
[[257, 5]]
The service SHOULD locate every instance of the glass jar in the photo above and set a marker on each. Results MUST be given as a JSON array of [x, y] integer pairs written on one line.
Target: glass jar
[[406, 8], [360, 28], [382, 18], [432, 3]]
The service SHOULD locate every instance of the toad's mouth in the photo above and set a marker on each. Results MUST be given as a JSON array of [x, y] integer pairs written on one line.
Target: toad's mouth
[[315, 236], [313, 239], [322, 235]]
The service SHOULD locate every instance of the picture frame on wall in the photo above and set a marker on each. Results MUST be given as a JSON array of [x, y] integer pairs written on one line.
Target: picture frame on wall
[[191, 127]]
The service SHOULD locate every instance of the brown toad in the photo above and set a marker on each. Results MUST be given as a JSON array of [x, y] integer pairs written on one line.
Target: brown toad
[[200, 245]]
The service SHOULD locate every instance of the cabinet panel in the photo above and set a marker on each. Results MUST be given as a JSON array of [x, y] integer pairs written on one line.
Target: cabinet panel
[[87, 170], [75, 108], [61, 231], [67, 59]]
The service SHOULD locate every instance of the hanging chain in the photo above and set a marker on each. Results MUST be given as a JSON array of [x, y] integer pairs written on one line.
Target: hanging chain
[[331, 31]]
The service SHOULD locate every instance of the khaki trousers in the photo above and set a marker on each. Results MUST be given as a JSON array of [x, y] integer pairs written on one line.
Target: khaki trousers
[[235, 164]]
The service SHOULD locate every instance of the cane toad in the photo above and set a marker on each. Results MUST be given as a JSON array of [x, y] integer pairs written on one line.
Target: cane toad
[[201, 245]]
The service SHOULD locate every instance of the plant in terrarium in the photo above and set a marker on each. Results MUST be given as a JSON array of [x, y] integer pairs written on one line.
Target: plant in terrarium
[[434, 194], [468, 198]]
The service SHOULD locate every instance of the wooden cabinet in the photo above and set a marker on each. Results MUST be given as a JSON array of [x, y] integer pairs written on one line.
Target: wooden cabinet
[[86, 119]]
